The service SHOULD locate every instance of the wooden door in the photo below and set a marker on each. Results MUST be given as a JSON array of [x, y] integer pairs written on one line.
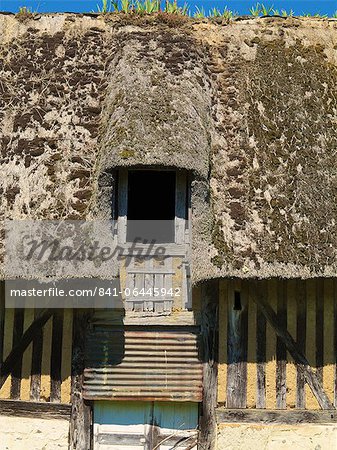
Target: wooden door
[[155, 273], [137, 425], [156, 284]]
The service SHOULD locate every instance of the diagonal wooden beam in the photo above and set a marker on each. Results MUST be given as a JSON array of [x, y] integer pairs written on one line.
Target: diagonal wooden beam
[[27, 337], [299, 358]]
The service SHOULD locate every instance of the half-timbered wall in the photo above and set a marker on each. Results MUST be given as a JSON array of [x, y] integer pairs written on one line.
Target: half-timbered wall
[[255, 369], [43, 372], [254, 372]]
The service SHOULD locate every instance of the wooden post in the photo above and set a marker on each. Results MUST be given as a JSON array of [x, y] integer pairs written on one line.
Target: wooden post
[[2, 319], [261, 354], [152, 434], [17, 367], [209, 337], [80, 421], [237, 347], [56, 357], [35, 379], [281, 349], [335, 343], [301, 328], [319, 328]]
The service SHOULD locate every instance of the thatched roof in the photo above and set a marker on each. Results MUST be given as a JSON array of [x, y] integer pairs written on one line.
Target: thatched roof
[[250, 108], [157, 109]]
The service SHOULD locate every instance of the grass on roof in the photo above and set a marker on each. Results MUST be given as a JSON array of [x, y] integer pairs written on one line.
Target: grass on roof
[[171, 7]]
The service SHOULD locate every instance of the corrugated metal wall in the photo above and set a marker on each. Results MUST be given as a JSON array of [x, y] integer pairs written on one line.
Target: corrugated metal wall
[[147, 363]]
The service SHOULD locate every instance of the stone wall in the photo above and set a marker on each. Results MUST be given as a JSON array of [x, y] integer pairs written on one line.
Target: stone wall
[[18, 433], [276, 437]]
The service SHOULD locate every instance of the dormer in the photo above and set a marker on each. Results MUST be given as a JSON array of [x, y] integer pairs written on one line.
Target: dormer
[[153, 229]]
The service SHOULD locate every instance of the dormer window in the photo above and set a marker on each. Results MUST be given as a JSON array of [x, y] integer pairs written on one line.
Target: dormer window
[[152, 205]]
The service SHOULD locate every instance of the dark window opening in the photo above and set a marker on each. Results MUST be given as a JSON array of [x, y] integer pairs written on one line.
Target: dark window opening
[[237, 301], [151, 205]]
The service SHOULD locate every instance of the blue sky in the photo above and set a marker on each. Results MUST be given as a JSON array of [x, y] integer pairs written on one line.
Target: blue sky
[[241, 6]]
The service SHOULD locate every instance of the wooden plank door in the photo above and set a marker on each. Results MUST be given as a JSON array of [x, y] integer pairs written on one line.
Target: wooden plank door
[[141, 280], [139, 425], [156, 284]]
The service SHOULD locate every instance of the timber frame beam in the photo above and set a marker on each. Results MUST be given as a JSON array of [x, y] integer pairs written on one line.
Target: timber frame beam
[[271, 416], [27, 337], [40, 410], [210, 344], [301, 361], [81, 411]]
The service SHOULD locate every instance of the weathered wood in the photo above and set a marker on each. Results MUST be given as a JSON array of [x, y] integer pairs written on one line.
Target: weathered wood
[[275, 416], [209, 336], [301, 339], [193, 445], [237, 348], [56, 356], [80, 422], [41, 410], [188, 235], [147, 277], [26, 339], [170, 249], [116, 317], [122, 205], [151, 437], [319, 328], [300, 360], [180, 207], [166, 439], [17, 366], [281, 350], [261, 330], [35, 378], [152, 432], [335, 343], [2, 319]]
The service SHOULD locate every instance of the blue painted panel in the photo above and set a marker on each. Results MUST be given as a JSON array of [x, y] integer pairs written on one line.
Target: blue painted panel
[[172, 415], [176, 415], [122, 413]]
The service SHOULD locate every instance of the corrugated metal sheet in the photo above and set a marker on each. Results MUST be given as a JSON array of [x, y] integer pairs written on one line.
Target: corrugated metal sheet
[[133, 364]]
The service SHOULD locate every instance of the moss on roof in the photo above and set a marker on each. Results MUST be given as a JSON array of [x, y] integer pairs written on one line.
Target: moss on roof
[[249, 107]]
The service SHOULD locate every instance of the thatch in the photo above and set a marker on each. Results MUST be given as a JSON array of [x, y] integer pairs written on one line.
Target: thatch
[[274, 171], [157, 109], [250, 108]]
